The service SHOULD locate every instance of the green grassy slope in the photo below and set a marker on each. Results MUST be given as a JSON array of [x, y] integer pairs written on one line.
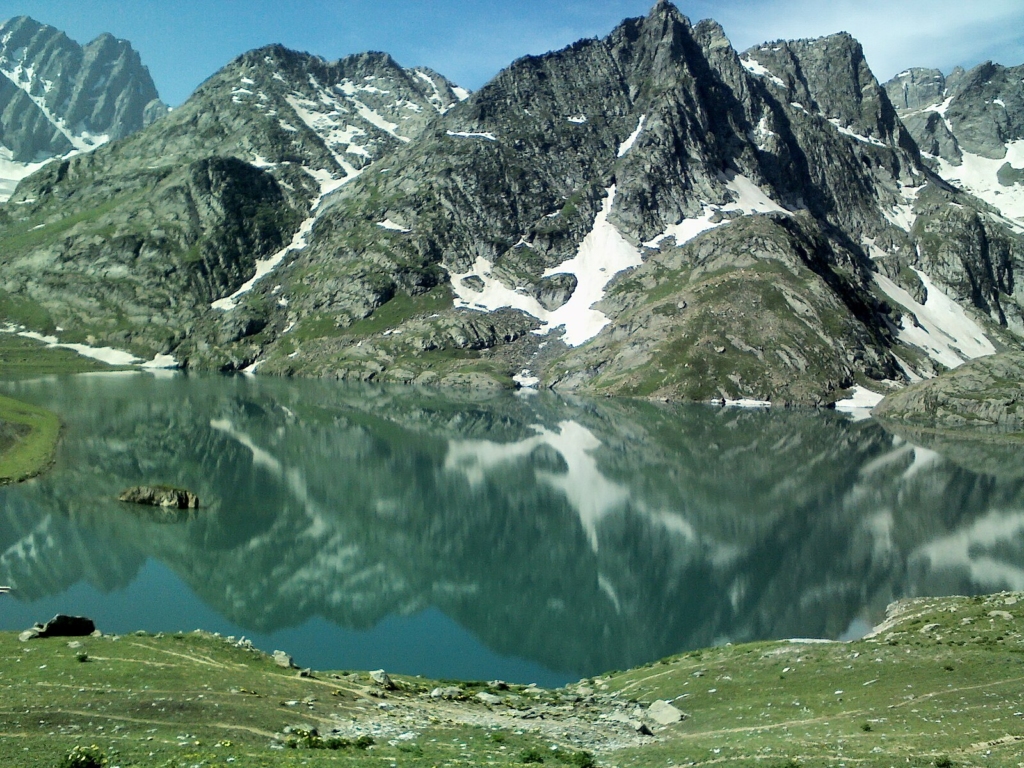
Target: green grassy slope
[[29, 437], [941, 684]]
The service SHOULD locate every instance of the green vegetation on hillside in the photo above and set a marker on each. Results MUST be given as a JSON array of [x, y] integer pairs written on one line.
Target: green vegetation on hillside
[[28, 436], [21, 357], [939, 685]]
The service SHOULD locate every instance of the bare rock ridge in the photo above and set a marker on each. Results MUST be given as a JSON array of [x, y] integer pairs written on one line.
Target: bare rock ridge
[[58, 97], [985, 397], [652, 213]]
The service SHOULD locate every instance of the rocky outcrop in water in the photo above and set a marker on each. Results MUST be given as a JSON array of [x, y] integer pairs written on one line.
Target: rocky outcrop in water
[[160, 496], [984, 397]]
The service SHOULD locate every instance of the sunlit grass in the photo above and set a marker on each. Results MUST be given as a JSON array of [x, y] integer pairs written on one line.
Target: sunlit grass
[[34, 432]]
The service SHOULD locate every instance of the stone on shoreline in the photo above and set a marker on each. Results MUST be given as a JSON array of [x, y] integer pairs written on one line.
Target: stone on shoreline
[[60, 626]]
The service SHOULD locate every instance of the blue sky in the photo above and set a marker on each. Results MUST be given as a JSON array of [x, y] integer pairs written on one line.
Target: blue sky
[[185, 41]]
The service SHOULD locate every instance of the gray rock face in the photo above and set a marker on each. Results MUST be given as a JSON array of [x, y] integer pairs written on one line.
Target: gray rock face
[[396, 208], [516, 175], [971, 246], [985, 396], [916, 88], [160, 496], [58, 97], [979, 111]]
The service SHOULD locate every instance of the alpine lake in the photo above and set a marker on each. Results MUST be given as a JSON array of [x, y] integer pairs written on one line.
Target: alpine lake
[[529, 537]]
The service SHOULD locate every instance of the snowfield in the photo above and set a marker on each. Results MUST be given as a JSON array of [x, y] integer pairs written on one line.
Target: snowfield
[[602, 255]]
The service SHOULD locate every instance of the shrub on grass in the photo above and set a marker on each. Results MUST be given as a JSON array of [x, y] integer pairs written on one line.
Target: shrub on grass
[[85, 757]]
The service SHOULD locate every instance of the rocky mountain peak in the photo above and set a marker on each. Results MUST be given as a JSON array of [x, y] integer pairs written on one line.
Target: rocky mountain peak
[[650, 213], [58, 97], [916, 88]]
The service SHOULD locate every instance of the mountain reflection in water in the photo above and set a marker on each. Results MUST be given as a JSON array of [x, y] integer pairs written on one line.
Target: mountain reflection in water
[[579, 535]]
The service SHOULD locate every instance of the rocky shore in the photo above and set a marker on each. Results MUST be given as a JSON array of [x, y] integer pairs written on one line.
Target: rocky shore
[[984, 397]]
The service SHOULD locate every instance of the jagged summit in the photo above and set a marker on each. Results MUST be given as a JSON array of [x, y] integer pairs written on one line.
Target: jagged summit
[[59, 98], [649, 213]]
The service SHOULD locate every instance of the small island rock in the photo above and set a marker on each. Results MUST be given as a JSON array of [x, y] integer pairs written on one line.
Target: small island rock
[[160, 496]]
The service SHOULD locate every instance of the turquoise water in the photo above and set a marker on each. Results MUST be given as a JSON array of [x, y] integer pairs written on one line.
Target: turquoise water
[[528, 538]]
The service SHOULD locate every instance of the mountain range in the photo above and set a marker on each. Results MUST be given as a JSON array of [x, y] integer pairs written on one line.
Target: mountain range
[[652, 213]]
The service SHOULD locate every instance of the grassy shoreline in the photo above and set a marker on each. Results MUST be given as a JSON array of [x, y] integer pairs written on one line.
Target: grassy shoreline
[[32, 448], [941, 683], [28, 433]]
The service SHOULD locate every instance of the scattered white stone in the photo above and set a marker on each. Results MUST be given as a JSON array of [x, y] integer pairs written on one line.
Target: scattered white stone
[[664, 713]]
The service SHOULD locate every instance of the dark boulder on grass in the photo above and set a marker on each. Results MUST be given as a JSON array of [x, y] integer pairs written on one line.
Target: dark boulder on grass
[[61, 626]]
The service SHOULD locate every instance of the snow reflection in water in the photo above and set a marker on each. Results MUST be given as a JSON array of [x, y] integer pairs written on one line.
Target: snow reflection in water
[[543, 538]]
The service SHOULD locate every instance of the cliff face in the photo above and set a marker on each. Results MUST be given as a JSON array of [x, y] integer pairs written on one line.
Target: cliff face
[[132, 243], [58, 97], [652, 213]]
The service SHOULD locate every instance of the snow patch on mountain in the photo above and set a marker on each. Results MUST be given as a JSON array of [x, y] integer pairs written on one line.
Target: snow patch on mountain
[[439, 103], [24, 78], [628, 143], [473, 135], [980, 176], [108, 355], [902, 214], [300, 240], [603, 253], [860, 399], [756, 68], [11, 172], [943, 329], [749, 200], [526, 379], [371, 116], [331, 127], [847, 132]]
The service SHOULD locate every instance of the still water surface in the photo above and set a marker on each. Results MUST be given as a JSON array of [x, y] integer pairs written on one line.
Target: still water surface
[[530, 538]]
